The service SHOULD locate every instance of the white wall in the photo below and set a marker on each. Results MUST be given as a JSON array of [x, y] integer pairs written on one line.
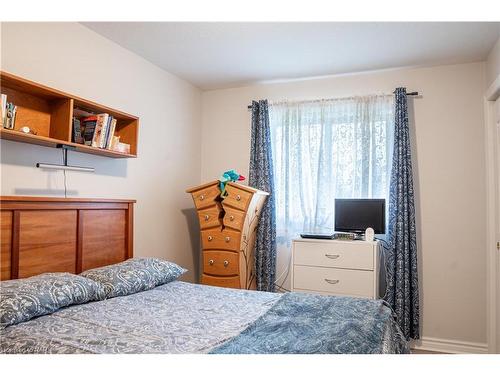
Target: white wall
[[449, 169], [492, 145], [72, 58], [493, 64]]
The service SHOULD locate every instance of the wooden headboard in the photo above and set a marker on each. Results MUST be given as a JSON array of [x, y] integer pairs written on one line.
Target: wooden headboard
[[41, 234]]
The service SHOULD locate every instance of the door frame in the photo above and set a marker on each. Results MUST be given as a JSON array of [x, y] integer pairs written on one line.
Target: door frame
[[491, 95]]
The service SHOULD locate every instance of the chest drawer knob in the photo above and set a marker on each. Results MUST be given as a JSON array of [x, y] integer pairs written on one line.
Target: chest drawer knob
[[226, 263], [332, 256], [202, 197], [207, 217], [238, 197], [332, 281], [210, 238], [211, 262], [227, 239], [231, 218]]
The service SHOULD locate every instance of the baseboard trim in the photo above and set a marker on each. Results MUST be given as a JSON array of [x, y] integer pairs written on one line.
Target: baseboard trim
[[449, 346]]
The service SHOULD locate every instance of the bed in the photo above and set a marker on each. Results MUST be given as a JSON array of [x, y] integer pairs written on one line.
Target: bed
[[181, 317]]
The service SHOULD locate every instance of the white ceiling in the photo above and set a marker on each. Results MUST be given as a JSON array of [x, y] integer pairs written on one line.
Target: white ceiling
[[219, 55]]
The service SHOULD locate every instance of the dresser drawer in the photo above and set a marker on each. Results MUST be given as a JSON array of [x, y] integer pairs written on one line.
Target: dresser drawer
[[227, 282], [334, 281], [237, 198], [209, 217], [234, 218], [220, 263], [223, 240], [350, 255], [206, 197]]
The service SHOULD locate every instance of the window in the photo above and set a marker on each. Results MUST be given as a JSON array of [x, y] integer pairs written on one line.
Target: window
[[328, 149]]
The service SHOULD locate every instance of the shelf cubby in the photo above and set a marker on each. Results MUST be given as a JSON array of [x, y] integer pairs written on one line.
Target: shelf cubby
[[49, 112]]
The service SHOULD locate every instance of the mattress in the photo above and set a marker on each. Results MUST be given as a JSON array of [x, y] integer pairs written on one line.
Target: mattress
[[181, 317]]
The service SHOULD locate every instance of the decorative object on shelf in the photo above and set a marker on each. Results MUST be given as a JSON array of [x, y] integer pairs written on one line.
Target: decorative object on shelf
[[121, 147], [10, 116], [27, 130], [114, 141], [227, 228], [49, 114], [229, 176]]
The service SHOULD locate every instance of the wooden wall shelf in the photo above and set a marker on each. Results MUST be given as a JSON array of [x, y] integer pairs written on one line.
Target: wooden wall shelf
[[49, 112]]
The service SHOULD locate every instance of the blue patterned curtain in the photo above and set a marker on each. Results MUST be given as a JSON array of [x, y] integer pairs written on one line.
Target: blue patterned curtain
[[402, 277], [261, 177]]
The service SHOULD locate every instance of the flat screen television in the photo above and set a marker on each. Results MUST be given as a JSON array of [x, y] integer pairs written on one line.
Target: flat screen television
[[355, 215]]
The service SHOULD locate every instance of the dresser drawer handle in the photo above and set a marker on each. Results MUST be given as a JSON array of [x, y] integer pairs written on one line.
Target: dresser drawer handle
[[238, 197], [332, 281], [332, 256], [227, 239], [211, 262], [207, 217], [226, 263], [202, 197], [210, 238], [231, 218]]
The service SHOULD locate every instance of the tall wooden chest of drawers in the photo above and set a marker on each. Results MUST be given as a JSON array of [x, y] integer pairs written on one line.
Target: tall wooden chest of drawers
[[227, 228]]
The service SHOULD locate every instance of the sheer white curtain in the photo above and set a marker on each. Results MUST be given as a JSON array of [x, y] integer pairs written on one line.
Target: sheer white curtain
[[327, 149]]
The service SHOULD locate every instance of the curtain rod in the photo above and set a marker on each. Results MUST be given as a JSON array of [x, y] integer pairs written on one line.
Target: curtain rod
[[414, 93]]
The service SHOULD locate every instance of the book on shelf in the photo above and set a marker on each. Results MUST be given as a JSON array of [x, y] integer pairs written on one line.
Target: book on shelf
[[111, 133], [88, 124], [105, 130], [104, 139], [100, 129], [3, 104], [96, 130], [77, 136]]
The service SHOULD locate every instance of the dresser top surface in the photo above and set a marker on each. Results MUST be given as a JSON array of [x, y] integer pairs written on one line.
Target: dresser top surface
[[343, 242], [216, 183]]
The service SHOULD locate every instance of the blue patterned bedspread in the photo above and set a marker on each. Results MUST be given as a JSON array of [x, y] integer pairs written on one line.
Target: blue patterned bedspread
[[306, 323], [181, 317]]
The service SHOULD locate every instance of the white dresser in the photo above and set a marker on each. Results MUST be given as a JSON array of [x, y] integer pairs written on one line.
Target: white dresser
[[335, 267]]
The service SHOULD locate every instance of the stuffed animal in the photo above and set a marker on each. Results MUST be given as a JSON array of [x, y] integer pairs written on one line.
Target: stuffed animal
[[229, 176]]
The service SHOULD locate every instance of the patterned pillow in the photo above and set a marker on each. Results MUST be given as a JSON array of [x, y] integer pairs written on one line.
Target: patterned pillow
[[134, 275], [24, 299]]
